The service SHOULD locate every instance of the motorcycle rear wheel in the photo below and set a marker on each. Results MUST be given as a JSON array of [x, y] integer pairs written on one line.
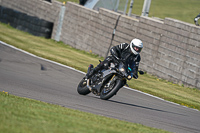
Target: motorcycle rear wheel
[[82, 87], [105, 95]]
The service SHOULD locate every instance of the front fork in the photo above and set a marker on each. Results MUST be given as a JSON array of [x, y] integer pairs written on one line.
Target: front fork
[[111, 80], [88, 85]]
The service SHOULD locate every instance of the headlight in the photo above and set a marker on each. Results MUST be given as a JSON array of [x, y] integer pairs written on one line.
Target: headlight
[[129, 77], [121, 69]]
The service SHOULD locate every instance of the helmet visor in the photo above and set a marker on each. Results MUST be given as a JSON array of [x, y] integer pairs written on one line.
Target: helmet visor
[[137, 49]]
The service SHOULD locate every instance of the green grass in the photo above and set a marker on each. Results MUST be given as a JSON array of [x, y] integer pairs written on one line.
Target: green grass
[[22, 115], [188, 97], [184, 10]]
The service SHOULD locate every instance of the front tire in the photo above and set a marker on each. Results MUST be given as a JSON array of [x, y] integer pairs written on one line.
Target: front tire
[[107, 94], [82, 87]]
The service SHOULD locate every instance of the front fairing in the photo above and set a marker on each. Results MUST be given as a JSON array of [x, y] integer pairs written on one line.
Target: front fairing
[[100, 78], [123, 69], [108, 72]]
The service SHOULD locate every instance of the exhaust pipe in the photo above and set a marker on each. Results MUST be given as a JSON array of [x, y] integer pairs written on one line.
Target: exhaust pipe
[[88, 86]]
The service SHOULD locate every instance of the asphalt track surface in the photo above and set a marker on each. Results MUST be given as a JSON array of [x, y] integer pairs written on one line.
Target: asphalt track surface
[[24, 75]]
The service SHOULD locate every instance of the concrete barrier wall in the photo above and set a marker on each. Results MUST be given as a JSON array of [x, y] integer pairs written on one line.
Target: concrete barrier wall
[[180, 49], [40, 8], [88, 29], [171, 47], [150, 32]]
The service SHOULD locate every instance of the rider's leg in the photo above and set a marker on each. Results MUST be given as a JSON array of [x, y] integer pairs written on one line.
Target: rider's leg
[[93, 71], [104, 64]]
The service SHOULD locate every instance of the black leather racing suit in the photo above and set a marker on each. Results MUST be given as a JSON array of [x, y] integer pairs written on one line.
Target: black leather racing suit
[[120, 52]]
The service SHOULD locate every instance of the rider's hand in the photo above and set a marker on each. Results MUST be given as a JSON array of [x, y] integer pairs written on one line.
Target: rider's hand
[[135, 75]]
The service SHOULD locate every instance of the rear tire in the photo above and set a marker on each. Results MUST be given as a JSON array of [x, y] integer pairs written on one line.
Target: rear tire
[[107, 95], [82, 87]]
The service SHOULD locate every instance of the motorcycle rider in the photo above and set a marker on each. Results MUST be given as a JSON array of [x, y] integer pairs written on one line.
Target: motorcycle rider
[[196, 19], [128, 53]]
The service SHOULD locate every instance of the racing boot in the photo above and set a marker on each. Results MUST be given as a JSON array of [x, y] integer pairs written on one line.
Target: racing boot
[[89, 75], [93, 71]]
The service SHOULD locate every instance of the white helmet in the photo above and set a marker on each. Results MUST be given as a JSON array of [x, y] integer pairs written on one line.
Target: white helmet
[[136, 46]]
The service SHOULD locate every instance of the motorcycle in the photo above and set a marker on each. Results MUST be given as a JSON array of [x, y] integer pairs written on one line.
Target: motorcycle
[[107, 82]]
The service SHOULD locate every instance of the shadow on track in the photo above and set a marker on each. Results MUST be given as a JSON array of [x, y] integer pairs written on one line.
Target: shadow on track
[[147, 108]]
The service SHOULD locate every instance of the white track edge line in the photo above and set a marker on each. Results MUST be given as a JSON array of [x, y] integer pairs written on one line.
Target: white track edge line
[[85, 73]]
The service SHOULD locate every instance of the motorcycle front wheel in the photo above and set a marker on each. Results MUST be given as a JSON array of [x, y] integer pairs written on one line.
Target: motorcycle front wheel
[[82, 87], [107, 93]]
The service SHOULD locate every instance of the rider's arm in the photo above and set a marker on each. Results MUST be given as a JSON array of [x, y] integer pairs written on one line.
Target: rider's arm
[[133, 65], [137, 61]]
